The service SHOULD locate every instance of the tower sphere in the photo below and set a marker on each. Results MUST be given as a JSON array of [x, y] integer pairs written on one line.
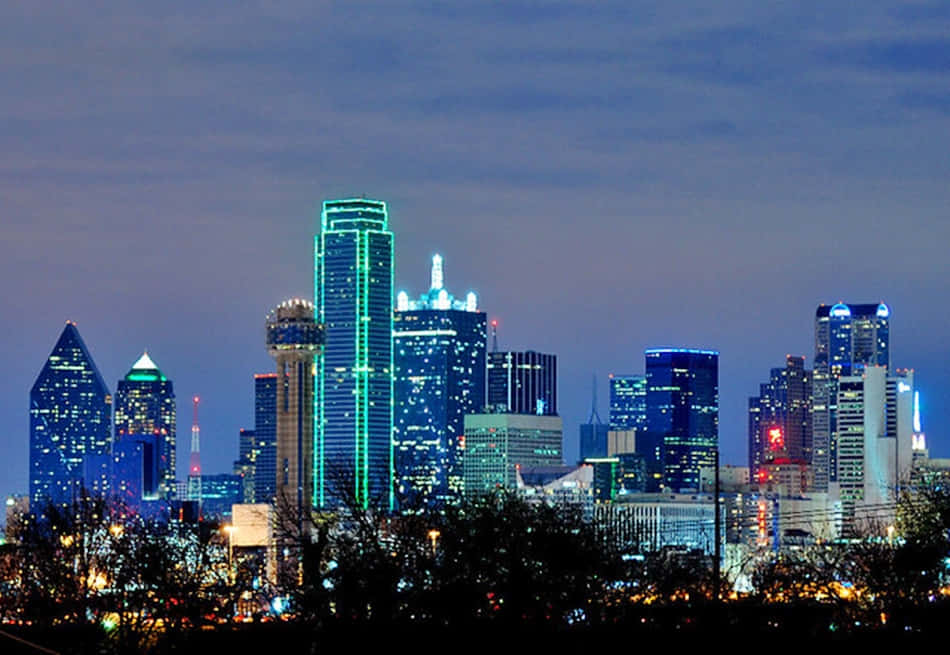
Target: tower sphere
[[292, 326]]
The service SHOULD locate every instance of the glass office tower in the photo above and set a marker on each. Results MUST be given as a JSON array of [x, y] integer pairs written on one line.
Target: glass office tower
[[848, 338], [628, 402], [353, 407], [682, 416], [439, 347], [145, 405], [70, 412]]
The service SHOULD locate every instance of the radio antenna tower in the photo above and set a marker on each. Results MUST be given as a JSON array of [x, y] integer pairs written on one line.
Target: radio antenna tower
[[194, 462]]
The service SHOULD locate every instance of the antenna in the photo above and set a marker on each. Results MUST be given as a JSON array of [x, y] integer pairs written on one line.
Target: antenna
[[593, 402], [494, 335], [194, 462]]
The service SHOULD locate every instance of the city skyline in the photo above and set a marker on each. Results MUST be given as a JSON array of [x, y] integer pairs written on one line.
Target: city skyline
[[775, 183]]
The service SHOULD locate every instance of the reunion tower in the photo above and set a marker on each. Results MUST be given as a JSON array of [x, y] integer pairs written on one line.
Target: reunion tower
[[294, 339]]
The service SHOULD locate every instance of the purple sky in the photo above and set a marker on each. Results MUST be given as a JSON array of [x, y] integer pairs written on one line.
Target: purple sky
[[608, 177]]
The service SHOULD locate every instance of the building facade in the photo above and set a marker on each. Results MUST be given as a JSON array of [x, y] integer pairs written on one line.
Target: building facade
[[783, 404], [628, 402], [439, 355], [682, 432], [70, 419], [265, 434], [848, 338], [294, 339], [354, 387], [522, 383], [145, 405], [498, 445]]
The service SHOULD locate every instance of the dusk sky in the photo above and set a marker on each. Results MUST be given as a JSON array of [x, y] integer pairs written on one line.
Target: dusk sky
[[607, 176]]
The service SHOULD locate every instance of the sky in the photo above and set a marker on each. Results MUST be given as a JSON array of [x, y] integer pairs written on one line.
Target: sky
[[607, 177]]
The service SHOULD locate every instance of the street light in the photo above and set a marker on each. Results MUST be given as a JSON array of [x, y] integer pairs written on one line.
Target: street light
[[230, 530], [434, 538]]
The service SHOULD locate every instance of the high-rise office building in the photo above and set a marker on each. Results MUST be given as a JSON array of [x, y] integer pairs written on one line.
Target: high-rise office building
[[265, 433], [246, 463], [294, 339], [522, 383], [354, 407], [875, 419], [628, 402], [145, 405], [848, 338], [70, 411], [593, 434], [783, 403], [439, 353], [498, 445], [682, 416]]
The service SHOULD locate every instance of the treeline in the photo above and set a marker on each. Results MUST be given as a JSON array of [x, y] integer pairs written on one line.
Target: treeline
[[91, 579]]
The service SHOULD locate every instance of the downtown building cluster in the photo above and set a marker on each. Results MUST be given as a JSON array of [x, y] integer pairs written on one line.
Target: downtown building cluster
[[386, 403]]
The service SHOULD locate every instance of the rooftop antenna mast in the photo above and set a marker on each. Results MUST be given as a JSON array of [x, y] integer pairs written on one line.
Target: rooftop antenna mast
[[594, 414], [494, 335], [194, 463]]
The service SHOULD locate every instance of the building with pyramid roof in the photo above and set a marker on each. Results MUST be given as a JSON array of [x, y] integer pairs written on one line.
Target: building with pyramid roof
[[145, 410], [70, 412]]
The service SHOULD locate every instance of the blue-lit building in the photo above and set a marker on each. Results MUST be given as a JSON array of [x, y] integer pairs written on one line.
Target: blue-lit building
[[439, 353], [218, 493], [628, 402], [522, 383], [848, 338], [354, 386], [593, 434], [682, 416], [264, 450], [135, 475], [70, 411], [145, 405]]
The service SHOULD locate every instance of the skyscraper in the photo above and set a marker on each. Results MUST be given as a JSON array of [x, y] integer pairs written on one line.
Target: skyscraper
[[498, 445], [294, 338], [354, 407], [593, 434], [875, 431], [784, 403], [848, 338], [70, 409], [439, 353], [145, 405], [628, 402], [522, 383], [265, 434], [682, 416]]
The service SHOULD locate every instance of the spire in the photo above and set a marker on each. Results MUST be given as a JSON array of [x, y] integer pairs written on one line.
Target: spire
[[194, 462], [593, 403], [144, 363], [437, 282]]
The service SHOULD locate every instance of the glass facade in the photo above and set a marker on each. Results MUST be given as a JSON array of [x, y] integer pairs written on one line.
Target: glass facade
[[70, 411], [522, 383], [265, 435], [628, 402], [218, 493], [354, 386], [145, 405], [784, 403], [439, 347], [682, 416], [848, 338]]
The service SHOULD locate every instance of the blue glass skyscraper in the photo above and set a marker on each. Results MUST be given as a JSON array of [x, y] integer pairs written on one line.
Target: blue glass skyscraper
[[628, 402], [145, 405], [265, 435], [682, 416], [353, 406], [70, 411], [439, 345]]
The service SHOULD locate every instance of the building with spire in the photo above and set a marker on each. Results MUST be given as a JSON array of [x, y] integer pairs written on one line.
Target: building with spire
[[70, 411], [144, 411], [353, 291], [439, 354], [593, 433]]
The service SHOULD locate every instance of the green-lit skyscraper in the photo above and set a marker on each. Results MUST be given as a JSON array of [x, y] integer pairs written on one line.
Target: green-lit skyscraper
[[353, 290]]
